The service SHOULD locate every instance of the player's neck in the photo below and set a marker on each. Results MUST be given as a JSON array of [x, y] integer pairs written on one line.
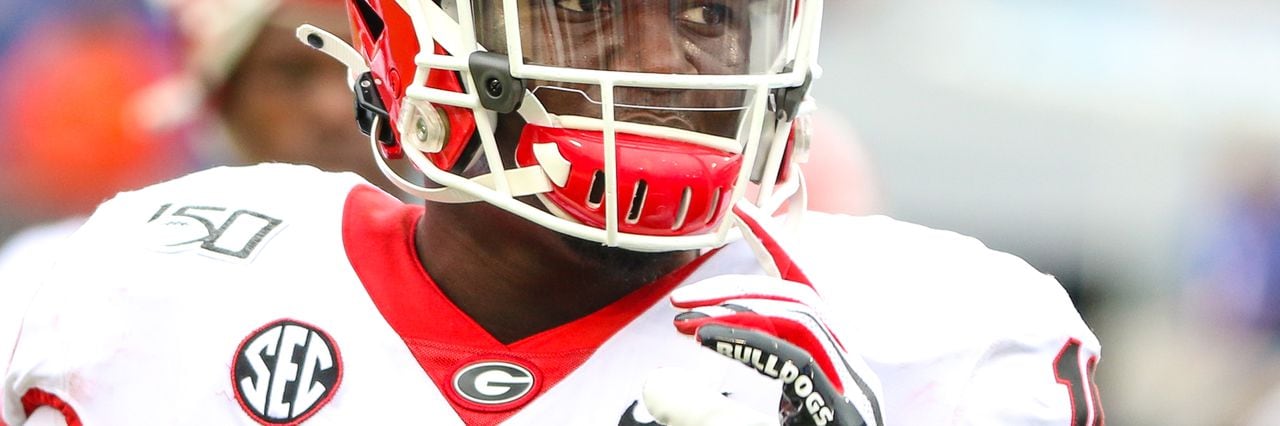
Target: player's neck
[[516, 279]]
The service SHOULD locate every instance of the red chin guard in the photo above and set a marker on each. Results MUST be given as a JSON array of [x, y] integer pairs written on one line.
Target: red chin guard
[[661, 191]]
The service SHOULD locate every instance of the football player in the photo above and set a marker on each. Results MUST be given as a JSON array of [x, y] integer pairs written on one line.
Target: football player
[[601, 242]]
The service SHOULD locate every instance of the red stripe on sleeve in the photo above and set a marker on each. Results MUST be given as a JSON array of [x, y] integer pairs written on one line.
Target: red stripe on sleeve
[[36, 398]]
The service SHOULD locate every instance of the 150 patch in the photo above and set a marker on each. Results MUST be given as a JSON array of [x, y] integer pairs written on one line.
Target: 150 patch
[[219, 231]]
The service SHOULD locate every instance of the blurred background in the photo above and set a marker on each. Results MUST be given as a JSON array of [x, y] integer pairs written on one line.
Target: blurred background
[[71, 69], [1128, 147], [1131, 148]]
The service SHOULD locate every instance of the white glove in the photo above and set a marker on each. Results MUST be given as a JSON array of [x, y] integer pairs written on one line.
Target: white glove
[[775, 327], [678, 397]]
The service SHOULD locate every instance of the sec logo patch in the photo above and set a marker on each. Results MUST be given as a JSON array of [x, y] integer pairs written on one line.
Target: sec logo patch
[[285, 371]]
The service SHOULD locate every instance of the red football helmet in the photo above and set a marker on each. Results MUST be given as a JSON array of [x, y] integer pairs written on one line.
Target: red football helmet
[[644, 123]]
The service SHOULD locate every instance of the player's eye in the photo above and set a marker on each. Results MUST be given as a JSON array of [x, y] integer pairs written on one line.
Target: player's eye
[[707, 18], [583, 6]]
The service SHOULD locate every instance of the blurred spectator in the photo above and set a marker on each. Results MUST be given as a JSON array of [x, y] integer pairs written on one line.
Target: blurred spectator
[[1234, 285], [255, 92], [1236, 281]]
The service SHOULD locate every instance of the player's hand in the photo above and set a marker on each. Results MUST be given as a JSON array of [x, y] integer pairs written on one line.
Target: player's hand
[[775, 326], [682, 397]]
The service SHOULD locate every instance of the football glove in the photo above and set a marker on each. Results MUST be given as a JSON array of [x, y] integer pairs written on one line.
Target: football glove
[[683, 397], [774, 326]]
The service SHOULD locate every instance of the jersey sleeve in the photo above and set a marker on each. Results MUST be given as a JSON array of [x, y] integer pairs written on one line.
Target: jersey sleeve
[[51, 337], [23, 261], [1039, 368], [958, 333]]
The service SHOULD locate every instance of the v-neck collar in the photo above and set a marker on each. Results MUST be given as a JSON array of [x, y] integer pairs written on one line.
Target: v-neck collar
[[378, 233]]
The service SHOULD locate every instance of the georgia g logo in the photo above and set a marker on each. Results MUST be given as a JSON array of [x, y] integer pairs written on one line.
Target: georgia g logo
[[285, 371], [493, 383]]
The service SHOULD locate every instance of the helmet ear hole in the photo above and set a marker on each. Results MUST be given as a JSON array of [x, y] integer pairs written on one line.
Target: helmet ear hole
[[371, 20]]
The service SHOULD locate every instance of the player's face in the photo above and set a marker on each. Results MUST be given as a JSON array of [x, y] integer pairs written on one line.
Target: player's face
[[287, 103], [672, 37]]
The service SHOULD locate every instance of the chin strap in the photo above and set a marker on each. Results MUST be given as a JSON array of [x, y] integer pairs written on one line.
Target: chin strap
[[523, 181]]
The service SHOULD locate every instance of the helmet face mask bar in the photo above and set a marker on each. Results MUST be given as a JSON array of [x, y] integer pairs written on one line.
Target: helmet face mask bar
[[644, 122]]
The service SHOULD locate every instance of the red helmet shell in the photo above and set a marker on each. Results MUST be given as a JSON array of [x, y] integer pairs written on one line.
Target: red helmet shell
[[384, 34]]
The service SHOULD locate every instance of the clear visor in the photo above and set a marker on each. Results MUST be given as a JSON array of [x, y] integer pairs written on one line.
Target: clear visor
[[691, 37], [657, 37]]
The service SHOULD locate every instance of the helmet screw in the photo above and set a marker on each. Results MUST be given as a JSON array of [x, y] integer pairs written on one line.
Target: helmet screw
[[421, 125], [494, 87]]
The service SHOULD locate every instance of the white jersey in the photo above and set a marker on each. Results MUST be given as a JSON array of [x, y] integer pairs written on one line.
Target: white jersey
[[24, 259], [280, 294]]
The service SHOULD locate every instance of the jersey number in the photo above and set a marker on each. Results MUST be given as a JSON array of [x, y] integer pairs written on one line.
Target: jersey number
[[1080, 385]]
